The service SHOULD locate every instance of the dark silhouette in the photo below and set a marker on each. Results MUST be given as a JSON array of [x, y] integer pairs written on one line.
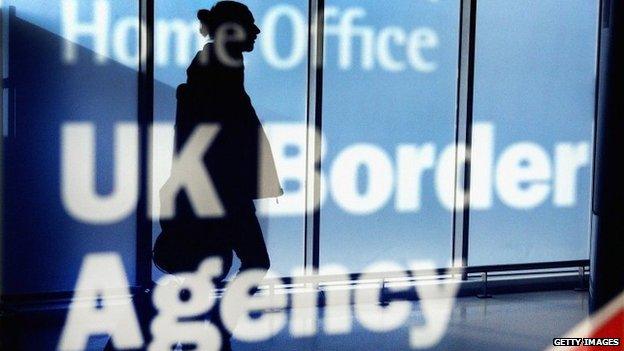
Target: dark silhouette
[[239, 160]]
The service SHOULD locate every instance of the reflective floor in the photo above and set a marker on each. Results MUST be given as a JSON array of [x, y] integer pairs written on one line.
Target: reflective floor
[[513, 322]]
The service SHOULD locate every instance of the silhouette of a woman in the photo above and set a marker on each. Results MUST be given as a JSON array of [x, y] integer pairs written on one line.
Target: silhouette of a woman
[[239, 160]]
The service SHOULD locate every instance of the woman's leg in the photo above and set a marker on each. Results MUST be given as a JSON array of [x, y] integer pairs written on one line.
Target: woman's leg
[[248, 242]]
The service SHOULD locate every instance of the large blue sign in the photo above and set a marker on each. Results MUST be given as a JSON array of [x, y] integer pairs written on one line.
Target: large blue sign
[[389, 112]]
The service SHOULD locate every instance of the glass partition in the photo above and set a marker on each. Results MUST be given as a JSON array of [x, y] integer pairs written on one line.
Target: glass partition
[[535, 76], [389, 122], [389, 109], [70, 140]]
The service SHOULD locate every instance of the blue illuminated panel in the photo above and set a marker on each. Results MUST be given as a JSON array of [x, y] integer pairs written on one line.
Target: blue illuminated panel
[[389, 123], [534, 89]]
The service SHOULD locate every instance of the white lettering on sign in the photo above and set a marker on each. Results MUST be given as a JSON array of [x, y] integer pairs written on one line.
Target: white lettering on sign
[[392, 49], [362, 179]]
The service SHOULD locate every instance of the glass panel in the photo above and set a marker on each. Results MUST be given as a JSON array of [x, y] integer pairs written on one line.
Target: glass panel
[[275, 80], [390, 94], [72, 69], [533, 113]]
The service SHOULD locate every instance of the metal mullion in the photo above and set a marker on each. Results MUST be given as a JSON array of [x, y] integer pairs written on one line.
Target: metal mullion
[[11, 96], [314, 123], [145, 120], [1, 146], [6, 27], [463, 136]]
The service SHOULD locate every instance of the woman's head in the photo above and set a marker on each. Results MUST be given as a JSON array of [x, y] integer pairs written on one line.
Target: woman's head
[[226, 17]]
